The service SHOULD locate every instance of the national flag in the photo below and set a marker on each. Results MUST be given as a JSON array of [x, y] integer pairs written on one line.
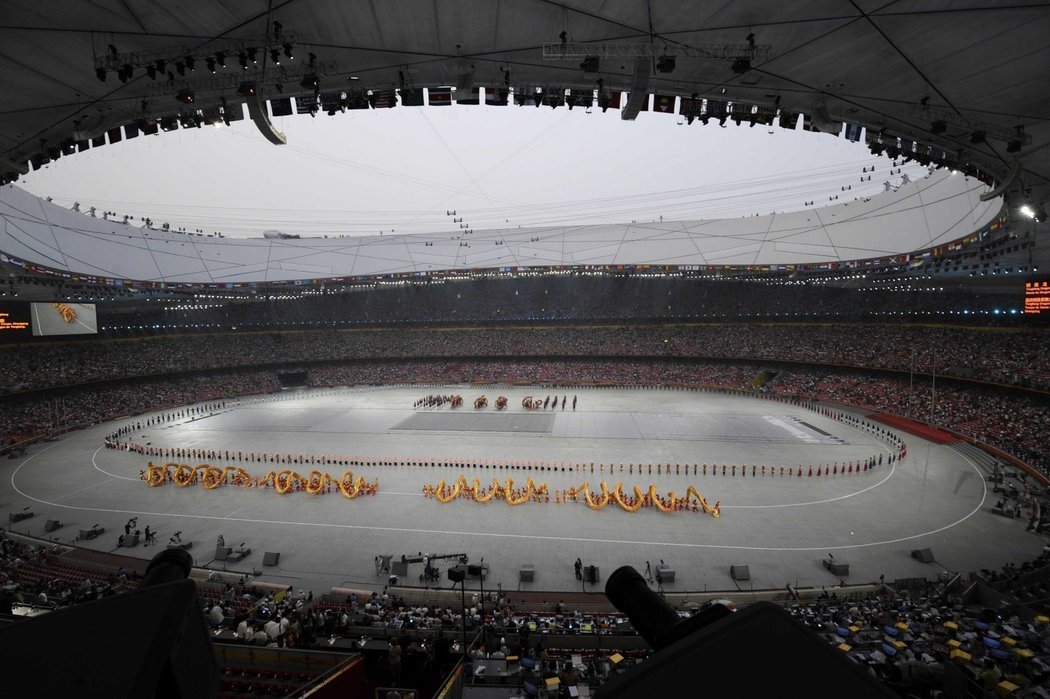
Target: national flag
[[331, 102], [439, 96], [384, 99], [788, 120], [554, 99], [356, 100], [807, 123], [473, 98], [282, 106], [580, 98], [131, 131], [82, 146], [663, 104], [411, 97], [852, 132], [98, 141], [689, 107], [717, 108], [149, 128], [496, 96], [114, 135], [306, 104]]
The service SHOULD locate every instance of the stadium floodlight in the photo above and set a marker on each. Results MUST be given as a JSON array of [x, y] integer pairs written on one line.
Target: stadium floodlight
[[1027, 211]]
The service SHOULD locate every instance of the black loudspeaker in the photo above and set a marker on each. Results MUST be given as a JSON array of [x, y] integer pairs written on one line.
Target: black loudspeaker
[[457, 573], [590, 574], [923, 555], [271, 558], [839, 569], [739, 573], [52, 525], [527, 573]]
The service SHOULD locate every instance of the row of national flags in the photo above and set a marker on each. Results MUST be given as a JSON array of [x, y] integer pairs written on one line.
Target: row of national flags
[[500, 97], [332, 102]]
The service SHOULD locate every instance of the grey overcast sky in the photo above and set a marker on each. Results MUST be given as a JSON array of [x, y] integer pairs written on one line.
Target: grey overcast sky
[[402, 169]]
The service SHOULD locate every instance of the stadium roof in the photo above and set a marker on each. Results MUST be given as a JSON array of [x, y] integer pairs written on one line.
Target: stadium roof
[[958, 83], [923, 213]]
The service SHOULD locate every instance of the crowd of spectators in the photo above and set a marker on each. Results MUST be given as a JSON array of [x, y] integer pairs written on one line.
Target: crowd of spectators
[[1014, 422], [904, 637], [567, 298], [42, 579], [34, 416], [908, 639], [1005, 355]]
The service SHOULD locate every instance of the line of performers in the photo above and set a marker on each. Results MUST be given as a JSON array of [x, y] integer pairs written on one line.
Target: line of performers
[[435, 401], [530, 403], [855, 466]]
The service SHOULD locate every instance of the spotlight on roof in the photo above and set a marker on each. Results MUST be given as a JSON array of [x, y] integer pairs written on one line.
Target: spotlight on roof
[[242, 58], [1027, 211], [938, 127], [180, 67], [288, 51], [125, 73], [665, 63], [151, 71], [210, 62], [741, 65], [253, 55], [162, 65], [275, 57], [100, 73], [220, 56], [185, 96], [1013, 145], [189, 62], [246, 88], [311, 82], [590, 64], [977, 136]]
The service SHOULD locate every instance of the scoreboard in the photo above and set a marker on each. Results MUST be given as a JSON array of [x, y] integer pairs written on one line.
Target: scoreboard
[[20, 319], [14, 319], [1037, 296]]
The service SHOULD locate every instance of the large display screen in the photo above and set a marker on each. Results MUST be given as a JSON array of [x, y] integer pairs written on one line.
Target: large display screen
[[63, 318], [1037, 296]]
